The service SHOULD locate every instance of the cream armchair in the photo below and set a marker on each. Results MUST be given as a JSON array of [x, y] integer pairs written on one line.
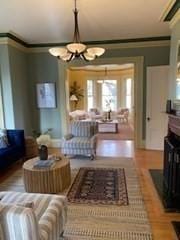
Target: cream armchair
[[81, 140], [44, 220], [123, 115]]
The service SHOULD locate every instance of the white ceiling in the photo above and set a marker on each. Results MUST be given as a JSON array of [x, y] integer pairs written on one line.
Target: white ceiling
[[43, 21]]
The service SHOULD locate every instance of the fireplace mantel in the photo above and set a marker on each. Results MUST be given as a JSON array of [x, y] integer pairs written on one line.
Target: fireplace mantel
[[174, 124]]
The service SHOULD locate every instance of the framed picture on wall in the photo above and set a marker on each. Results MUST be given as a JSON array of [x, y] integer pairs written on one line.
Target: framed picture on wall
[[46, 95]]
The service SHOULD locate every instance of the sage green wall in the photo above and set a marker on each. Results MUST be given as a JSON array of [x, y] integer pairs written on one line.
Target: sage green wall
[[20, 92], [43, 68], [175, 43], [7, 95], [21, 71]]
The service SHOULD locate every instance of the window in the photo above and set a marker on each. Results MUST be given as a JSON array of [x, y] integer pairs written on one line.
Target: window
[[109, 95], [178, 88], [90, 94], [128, 93]]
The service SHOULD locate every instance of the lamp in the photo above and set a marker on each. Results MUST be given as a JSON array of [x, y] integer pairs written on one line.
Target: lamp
[[73, 98], [76, 49]]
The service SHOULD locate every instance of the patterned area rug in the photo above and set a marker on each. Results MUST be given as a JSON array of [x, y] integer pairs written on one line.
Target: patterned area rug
[[101, 222], [99, 186]]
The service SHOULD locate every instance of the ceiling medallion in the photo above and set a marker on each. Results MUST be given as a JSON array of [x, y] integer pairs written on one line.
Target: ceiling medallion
[[76, 49]]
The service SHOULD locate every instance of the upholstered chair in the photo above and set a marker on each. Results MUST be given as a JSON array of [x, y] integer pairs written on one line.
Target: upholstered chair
[[27, 216], [81, 140], [123, 115]]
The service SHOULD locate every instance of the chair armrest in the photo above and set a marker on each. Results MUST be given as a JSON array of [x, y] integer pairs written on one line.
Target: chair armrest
[[18, 221], [68, 137], [54, 218]]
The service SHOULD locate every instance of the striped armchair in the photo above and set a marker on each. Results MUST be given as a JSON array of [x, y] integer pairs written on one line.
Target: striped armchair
[[81, 140], [44, 220]]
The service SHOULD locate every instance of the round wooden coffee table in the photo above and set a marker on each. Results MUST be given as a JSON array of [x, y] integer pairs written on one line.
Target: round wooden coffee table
[[48, 180]]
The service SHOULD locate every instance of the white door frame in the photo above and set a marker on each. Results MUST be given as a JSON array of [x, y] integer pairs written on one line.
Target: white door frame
[[138, 91]]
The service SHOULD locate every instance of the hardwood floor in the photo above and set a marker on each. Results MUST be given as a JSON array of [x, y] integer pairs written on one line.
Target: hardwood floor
[[144, 160]]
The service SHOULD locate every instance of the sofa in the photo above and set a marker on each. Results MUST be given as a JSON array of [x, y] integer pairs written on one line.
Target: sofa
[[29, 216], [81, 139], [78, 115], [15, 149], [95, 114]]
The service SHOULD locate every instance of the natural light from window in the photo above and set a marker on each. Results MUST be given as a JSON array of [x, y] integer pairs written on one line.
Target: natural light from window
[[90, 94], [128, 93], [178, 88], [109, 95]]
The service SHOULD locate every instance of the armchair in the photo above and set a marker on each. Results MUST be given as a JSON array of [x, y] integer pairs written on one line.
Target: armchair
[[81, 140], [44, 221], [123, 115]]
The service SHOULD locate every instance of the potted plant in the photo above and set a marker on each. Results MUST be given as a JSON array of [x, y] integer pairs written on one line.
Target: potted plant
[[43, 138]]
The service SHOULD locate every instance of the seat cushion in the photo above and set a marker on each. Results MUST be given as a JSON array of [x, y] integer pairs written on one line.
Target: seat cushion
[[77, 142], [8, 151]]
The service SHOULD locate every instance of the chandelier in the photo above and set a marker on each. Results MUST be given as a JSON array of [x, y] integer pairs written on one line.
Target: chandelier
[[76, 49]]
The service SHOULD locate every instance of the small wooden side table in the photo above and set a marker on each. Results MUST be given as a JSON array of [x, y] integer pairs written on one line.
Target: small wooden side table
[[48, 180]]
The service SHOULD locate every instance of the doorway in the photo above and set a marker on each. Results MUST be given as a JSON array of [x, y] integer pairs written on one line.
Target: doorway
[[103, 88], [138, 92]]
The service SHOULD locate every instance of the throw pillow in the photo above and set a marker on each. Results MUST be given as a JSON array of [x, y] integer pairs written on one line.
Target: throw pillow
[[68, 136], [3, 138]]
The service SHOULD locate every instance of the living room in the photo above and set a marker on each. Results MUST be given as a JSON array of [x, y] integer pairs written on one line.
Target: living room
[[97, 185], [99, 89]]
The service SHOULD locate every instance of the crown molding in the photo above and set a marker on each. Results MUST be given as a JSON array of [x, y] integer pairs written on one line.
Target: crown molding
[[4, 40], [13, 37], [167, 9], [130, 69], [10, 39], [104, 42], [170, 10], [175, 19], [164, 43]]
